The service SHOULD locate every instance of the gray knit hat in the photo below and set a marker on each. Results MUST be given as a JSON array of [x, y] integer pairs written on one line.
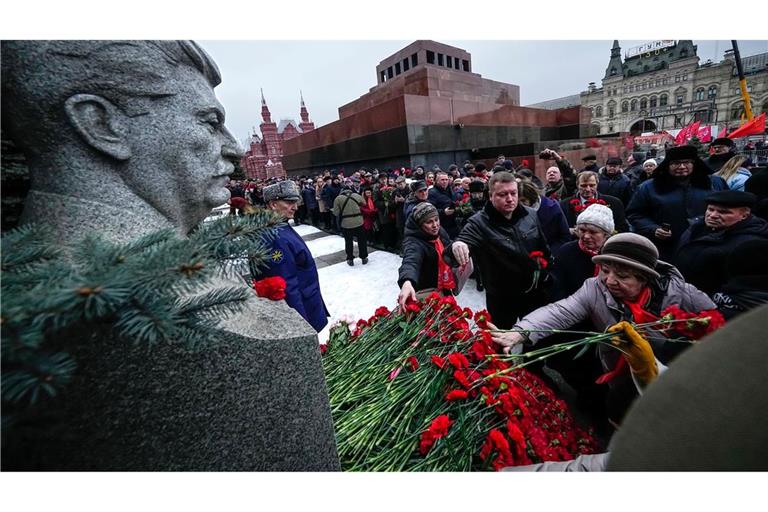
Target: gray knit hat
[[598, 215], [632, 250], [422, 212], [285, 190]]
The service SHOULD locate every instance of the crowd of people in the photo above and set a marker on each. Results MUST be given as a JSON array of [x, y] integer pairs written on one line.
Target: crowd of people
[[582, 249]]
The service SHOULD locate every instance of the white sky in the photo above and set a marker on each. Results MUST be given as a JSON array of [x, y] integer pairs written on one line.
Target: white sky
[[333, 73]]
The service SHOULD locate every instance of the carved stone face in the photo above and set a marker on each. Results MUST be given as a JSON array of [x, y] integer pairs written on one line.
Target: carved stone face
[[181, 152]]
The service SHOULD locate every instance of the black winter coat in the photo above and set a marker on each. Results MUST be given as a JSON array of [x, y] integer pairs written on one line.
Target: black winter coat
[[570, 268], [617, 186], [617, 208], [702, 253], [419, 265], [741, 294], [500, 248], [442, 199], [659, 201], [715, 162]]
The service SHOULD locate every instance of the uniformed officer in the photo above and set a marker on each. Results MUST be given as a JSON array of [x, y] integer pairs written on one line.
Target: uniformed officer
[[290, 258]]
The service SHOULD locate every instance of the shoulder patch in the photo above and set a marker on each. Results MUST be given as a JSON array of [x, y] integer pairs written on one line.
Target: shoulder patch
[[277, 256]]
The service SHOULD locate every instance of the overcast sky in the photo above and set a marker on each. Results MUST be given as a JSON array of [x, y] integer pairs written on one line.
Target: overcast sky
[[333, 73]]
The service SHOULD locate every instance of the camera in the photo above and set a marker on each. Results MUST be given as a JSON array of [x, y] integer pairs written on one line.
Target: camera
[[546, 155]]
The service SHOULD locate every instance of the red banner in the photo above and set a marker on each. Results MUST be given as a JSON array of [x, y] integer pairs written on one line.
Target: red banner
[[755, 127], [705, 134]]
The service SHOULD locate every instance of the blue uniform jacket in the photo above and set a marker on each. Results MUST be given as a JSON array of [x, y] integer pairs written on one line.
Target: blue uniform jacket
[[290, 259]]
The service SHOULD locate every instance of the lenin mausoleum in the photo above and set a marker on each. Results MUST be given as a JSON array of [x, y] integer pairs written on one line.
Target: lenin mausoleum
[[429, 107]]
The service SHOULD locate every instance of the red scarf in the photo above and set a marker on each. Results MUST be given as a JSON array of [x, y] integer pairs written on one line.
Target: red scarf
[[640, 315], [369, 203], [591, 254], [445, 279]]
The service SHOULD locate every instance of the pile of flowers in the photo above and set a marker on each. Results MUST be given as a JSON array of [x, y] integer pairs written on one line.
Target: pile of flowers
[[426, 389]]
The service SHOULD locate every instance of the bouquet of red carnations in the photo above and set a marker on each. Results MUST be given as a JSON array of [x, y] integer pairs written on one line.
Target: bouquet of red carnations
[[423, 389]]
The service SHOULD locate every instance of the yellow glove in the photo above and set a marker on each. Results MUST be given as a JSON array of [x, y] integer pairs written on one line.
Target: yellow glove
[[636, 351]]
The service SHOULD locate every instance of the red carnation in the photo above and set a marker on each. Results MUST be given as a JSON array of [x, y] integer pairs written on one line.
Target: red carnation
[[539, 259], [272, 288], [439, 361], [482, 318], [412, 363], [456, 394], [382, 311], [458, 361], [437, 430], [323, 348]]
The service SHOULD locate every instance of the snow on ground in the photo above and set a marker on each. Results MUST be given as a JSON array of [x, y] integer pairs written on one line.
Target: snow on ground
[[304, 229], [356, 292]]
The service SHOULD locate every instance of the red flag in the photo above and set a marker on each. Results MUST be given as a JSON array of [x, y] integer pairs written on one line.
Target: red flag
[[693, 131], [723, 132], [705, 134], [755, 127], [681, 136]]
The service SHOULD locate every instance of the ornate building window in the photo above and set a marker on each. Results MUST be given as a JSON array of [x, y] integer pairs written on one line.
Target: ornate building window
[[679, 99], [633, 105], [598, 111], [712, 92], [624, 106], [611, 109], [653, 101], [699, 95], [663, 100], [643, 103]]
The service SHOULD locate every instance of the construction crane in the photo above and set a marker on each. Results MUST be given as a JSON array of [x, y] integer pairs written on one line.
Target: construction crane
[[742, 81]]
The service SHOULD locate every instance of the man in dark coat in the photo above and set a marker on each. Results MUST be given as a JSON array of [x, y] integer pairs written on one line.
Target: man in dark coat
[[704, 248], [590, 164], [500, 240], [559, 184], [309, 195], [664, 206], [441, 198], [614, 183], [329, 194], [290, 259], [397, 204], [724, 149], [587, 193]]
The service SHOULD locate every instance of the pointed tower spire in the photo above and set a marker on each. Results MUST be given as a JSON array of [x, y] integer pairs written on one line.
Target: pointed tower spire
[[265, 114], [615, 65], [305, 124]]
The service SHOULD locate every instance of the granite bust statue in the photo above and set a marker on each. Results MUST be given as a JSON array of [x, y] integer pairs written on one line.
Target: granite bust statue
[[129, 132]]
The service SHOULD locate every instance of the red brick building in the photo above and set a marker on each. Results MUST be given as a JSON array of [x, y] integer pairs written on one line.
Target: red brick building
[[428, 107], [264, 157]]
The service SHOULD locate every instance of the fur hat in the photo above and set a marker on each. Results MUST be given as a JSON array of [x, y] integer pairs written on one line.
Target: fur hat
[[722, 141], [418, 185], [632, 250], [664, 182], [598, 215], [422, 212], [285, 190]]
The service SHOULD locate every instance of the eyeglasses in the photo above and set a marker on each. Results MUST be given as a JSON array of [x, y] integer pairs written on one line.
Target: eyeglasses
[[679, 163]]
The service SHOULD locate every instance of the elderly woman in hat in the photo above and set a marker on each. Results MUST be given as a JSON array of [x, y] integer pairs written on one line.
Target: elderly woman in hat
[[632, 285], [665, 205], [423, 269], [290, 258]]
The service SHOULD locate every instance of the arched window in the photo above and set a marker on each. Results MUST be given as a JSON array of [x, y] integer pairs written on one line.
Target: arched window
[[613, 71], [653, 101], [633, 105], [699, 95], [712, 92], [663, 100], [611, 108], [643, 103], [624, 106], [598, 111]]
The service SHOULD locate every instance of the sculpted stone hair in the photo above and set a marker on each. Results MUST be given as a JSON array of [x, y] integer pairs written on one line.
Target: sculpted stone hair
[[38, 77], [500, 177], [584, 175]]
